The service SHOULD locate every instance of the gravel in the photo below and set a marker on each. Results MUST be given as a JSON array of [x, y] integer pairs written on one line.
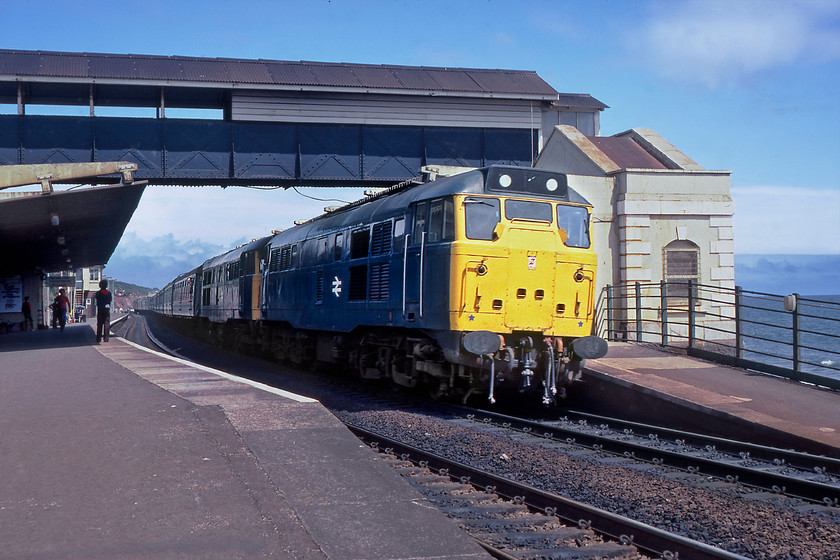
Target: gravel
[[727, 516]]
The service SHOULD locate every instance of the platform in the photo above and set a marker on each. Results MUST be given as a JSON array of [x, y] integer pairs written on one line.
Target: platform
[[647, 384], [109, 451]]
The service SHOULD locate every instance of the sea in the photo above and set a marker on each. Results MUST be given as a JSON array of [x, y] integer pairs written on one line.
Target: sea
[[768, 334]]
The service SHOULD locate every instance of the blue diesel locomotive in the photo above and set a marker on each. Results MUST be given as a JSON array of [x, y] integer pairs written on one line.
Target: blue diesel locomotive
[[463, 285]]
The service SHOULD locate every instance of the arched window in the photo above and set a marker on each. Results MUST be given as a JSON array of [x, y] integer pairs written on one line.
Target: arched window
[[682, 263]]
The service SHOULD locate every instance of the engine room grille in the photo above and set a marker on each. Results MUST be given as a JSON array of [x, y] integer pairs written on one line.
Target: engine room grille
[[379, 275], [319, 286], [381, 242]]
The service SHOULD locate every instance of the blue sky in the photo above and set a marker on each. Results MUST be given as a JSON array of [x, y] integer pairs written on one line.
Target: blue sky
[[747, 86]]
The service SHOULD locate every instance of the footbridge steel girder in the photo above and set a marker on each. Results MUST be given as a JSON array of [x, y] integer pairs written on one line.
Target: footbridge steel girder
[[227, 153]]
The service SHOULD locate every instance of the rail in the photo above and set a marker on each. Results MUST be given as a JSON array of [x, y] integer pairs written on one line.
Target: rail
[[615, 527], [789, 336]]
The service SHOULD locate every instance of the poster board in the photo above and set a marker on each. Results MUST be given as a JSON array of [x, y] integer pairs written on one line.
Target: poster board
[[11, 294]]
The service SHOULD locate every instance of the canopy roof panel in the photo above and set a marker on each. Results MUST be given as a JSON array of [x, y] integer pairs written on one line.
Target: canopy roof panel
[[64, 229]]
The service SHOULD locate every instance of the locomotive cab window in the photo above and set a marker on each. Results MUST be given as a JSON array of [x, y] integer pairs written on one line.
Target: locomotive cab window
[[399, 232], [421, 215], [527, 210], [481, 217], [574, 220], [441, 221]]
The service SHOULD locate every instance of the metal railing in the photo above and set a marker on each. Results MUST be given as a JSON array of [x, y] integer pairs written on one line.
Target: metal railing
[[789, 336]]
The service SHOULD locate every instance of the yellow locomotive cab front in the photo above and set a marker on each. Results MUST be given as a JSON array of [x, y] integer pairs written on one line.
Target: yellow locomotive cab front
[[523, 279]]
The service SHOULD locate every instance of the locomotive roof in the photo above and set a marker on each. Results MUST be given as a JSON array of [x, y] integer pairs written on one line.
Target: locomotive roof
[[393, 203]]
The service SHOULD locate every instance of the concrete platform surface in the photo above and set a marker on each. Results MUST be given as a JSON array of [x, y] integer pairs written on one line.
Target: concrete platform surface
[[112, 452], [702, 393]]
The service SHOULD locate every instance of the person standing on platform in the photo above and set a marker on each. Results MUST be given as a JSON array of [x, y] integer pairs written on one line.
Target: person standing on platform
[[103, 311], [61, 306], [26, 309]]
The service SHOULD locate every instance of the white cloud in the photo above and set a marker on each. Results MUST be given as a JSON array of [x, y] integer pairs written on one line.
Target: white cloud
[[786, 220], [715, 43], [217, 215]]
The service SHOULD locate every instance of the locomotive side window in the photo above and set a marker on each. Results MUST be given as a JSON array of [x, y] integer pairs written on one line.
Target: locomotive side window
[[338, 246], [482, 216], [527, 210], [232, 271], [435, 221], [448, 219], [205, 290], [421, 213], [399, 232], [574, 220], [321, 250], [360, 243]]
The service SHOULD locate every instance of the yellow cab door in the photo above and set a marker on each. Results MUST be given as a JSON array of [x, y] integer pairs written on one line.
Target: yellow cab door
[[530, 282]]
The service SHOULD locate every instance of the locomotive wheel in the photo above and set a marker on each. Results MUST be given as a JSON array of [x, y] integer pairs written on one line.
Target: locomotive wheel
[[435, 388]]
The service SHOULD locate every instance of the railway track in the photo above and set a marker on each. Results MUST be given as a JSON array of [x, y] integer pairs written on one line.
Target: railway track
[[534, 534], [800, 475]]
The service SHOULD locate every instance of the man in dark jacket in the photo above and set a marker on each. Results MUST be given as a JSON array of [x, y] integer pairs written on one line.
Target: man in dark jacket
[[26, 309], [103, 311], [61, 303]]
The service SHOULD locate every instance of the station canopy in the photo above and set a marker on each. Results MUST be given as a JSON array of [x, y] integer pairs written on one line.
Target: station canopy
[[63, 230]]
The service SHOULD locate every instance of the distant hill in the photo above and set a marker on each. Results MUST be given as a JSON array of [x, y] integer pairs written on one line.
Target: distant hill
[[125, 293], [129, 289], [807, 275]]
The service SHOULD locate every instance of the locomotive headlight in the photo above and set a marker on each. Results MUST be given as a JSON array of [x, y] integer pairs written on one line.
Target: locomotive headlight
[[551, 185], [505, 180]]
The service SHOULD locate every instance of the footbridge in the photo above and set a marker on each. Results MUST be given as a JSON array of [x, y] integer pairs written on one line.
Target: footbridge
[[213, 121]]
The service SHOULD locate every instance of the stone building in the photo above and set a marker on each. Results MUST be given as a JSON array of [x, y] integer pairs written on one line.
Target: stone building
[[658, 215]]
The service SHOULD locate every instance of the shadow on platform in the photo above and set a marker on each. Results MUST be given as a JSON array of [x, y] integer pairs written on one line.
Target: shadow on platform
[[78, 334]]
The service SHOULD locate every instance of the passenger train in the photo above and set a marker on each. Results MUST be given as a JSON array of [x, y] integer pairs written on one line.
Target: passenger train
[[465, 285]]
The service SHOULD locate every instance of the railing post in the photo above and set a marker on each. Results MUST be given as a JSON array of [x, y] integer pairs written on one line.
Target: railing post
[[610, 329], [638, 312], [795, 327], [690, 314], [738, 322], [663, 304]]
